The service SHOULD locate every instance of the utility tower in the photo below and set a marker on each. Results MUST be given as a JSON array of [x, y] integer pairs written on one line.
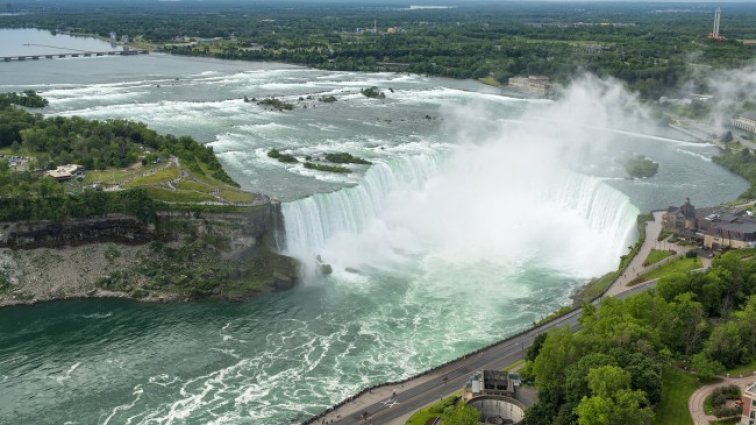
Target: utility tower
[[717, 17]]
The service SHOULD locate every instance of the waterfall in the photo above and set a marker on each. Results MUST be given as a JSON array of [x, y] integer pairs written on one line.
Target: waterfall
[[607, 212], [579, 219], [311, 221]]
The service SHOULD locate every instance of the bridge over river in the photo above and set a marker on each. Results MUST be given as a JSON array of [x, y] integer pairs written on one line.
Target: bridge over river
[[72, 53]]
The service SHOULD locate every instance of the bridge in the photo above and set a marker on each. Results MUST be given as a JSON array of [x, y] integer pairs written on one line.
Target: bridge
[[72, 53]]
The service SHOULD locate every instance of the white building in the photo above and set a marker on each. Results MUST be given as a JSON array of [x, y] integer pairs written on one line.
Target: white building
[[66, 172], [535, 84], [746, 122]]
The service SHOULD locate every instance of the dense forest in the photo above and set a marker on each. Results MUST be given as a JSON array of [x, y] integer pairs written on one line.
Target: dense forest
[[610, 372], [652, 48]]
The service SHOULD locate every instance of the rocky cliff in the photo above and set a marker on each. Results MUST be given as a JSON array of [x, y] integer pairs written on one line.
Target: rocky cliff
[[181, 255]]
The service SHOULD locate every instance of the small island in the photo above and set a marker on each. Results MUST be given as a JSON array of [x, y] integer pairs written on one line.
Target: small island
[[276, 104], [641, 167], [373, 93], [334, 158]]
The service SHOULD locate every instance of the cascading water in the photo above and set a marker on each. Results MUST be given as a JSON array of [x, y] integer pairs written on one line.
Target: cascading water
[[575, 202], [310, 222], [606, 211]]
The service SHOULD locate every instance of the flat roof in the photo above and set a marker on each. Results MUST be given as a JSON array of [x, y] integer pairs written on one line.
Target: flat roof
[[738, 226]]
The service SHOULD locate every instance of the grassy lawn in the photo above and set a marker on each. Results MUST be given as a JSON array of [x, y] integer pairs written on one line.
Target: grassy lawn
[[161, 176], [519, 364], [743, 370], [106, 176], [237, 196], [743, 254], [431, 411], [708, 406], [677, 387], [683, 265], [193, 185], [178, 195], [491, 81], [655, 256], [594, 288]]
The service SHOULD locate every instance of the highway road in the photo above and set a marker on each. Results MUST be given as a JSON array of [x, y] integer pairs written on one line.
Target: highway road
[[393, 404]]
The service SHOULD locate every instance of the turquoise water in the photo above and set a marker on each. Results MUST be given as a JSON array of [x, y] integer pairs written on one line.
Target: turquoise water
[[468, 226]]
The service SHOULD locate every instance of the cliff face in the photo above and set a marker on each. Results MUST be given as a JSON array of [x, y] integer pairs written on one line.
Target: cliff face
[[181, 255], [48, 234], [243, 228]]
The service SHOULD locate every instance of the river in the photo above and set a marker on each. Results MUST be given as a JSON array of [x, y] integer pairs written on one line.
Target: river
[[481, 212]]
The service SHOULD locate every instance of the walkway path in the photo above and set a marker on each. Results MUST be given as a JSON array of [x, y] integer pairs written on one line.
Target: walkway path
[[696, 401], [636, 267]]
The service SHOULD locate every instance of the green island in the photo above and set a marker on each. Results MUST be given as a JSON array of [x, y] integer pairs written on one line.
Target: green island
[[327, 168], [373, 93], [276, 104], [641, 167], [335, 158], [345, 158], [282, 157], [157, 212]]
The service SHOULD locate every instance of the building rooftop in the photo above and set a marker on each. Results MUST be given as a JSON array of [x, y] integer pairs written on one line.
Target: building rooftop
[[751, 388], [749, 115], [495, 380], [740, 226]]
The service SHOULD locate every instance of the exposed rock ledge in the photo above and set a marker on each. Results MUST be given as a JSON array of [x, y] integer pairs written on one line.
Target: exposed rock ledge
[[182, 256]]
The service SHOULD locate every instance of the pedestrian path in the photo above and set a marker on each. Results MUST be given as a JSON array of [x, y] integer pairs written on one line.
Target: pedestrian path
[[636, 267], [696, 401]]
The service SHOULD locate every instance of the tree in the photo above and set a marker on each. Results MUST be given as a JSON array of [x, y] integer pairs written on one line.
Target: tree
[[604, 381], [535, 348], [576, 383], [726, 345], [462, 415], [705, 366], [612, 402], [559, 351]]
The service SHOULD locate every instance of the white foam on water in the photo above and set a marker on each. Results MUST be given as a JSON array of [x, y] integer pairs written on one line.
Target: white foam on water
[[694, 154]]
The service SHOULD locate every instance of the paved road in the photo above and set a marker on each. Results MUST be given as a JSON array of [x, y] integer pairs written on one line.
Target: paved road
[[384, 407]]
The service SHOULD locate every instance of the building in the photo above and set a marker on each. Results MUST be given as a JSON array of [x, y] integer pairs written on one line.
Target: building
[[66, 172], [492, 393], [535, 84], [728, 229], [488, 382], [749, 405], [681, 220], [746, 122]]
